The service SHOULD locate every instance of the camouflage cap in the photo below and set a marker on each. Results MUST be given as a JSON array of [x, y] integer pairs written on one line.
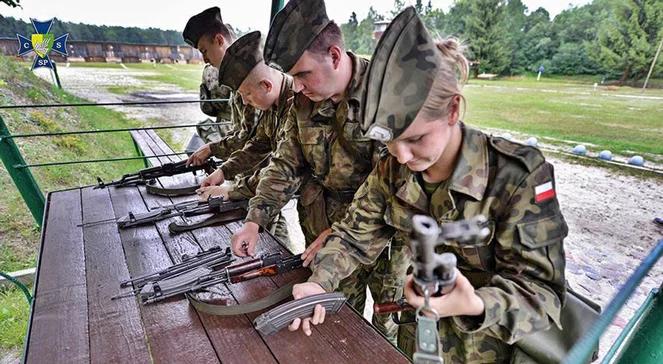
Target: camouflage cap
[[240, 59], [200, 24], [399, 77], [293, 30]]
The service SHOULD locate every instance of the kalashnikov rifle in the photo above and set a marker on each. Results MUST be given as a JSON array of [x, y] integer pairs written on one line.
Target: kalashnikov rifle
[[148, 176], [205, 276], [434, 275], [225, 211]]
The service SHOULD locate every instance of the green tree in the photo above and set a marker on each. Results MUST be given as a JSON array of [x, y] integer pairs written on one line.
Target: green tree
[[399, 5], [12, 3], [514, 23], [627, 37], [487, 39]]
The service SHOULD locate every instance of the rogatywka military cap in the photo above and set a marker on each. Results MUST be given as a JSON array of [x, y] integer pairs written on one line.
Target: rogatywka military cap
[[199, 24], [293, 30], [241, 57], [400, 76]]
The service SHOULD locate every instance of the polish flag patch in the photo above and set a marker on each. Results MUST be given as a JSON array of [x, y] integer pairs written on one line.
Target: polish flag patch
[[544, 192]]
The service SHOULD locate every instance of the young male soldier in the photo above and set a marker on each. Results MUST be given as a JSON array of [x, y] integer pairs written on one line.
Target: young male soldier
[[323, 153], [269, 91], [207, 33]]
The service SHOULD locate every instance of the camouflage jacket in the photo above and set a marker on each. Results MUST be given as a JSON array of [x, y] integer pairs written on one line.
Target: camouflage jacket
[[257, 150], [324, 143], [242, 118], [518, 270]]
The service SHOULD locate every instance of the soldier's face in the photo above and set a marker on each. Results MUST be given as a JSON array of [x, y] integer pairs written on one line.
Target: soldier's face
[[424, 142], [314, 75], [213, 49], [421, 145]]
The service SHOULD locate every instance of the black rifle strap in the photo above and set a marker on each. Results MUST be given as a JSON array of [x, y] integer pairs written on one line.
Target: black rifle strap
[[173, 191], [218, 219]]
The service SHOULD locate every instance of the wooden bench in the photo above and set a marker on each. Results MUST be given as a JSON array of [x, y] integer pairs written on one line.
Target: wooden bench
[[73, 319]]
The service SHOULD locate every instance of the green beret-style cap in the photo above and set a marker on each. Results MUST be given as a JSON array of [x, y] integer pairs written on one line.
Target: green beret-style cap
[[293, 30], [200, 24], [240, 59], [399, 77]]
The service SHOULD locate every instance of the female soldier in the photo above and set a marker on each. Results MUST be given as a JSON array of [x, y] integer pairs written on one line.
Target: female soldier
[[510, 284]]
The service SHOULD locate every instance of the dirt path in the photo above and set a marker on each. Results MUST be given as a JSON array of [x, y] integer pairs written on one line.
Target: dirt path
[[93, 84], [609, 213]]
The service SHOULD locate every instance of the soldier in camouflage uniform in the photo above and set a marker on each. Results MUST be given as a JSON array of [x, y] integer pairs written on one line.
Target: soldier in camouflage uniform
[[268, 90], [220, 111], [323, 154], [511, 283], [207, 33]]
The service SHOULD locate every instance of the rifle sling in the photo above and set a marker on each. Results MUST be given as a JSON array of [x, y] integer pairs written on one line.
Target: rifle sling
[[218, 219], [172, 192], [223, 310]]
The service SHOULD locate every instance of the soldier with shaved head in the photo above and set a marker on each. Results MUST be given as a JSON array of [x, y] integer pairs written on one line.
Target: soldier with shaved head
[[324, 155]]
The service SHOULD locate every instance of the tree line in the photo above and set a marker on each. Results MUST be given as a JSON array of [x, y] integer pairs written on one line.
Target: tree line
[[99, 33], [613, 38]]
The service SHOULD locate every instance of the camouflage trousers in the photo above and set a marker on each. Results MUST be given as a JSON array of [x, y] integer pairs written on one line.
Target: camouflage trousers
[[385, 278], [213, 133]]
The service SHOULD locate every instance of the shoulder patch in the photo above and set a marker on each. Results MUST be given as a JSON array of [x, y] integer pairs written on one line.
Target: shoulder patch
[[530, 157]]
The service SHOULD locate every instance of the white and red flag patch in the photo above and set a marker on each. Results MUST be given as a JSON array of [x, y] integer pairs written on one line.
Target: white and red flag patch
[[544, 192]]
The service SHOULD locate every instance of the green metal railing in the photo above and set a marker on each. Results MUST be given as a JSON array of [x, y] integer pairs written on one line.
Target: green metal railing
[[20, 285], [19, 170]]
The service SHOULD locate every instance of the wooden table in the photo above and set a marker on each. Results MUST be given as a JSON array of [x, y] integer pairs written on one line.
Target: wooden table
[[73, 319]]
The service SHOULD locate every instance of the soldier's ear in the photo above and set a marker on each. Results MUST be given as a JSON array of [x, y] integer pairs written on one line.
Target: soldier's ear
[[335, 53], [266, 85], [453, 110], [219, 40]]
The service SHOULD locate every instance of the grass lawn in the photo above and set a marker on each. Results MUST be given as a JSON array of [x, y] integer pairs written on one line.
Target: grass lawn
[[622, 120]]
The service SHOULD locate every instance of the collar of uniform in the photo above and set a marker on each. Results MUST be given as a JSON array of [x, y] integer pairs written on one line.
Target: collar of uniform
[[285, 96], [470, 176], [410, 191], [357, 86]]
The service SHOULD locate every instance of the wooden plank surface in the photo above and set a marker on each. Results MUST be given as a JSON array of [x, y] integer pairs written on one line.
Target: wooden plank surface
[[116, 330], [74, 319], [59, 325]]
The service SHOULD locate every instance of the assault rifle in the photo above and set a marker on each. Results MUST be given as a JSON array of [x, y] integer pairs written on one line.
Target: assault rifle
[[224, 211], [155, 289], [434, 275], [148, 176]]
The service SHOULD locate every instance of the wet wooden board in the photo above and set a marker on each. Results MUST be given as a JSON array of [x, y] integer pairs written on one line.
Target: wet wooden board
[[80, 268]]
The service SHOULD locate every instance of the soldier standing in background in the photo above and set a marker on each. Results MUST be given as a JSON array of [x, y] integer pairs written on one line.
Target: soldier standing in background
[[207, 33]]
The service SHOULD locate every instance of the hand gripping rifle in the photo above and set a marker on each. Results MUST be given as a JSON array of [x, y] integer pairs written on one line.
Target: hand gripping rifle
[[434, 275], [205, 276], [148, 176]]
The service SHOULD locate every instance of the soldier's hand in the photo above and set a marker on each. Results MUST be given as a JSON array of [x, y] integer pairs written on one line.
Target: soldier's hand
[[204, 193], [244, 241], [461, 301], [309, 254], [214, 179], [304, 290], [200, 156]]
